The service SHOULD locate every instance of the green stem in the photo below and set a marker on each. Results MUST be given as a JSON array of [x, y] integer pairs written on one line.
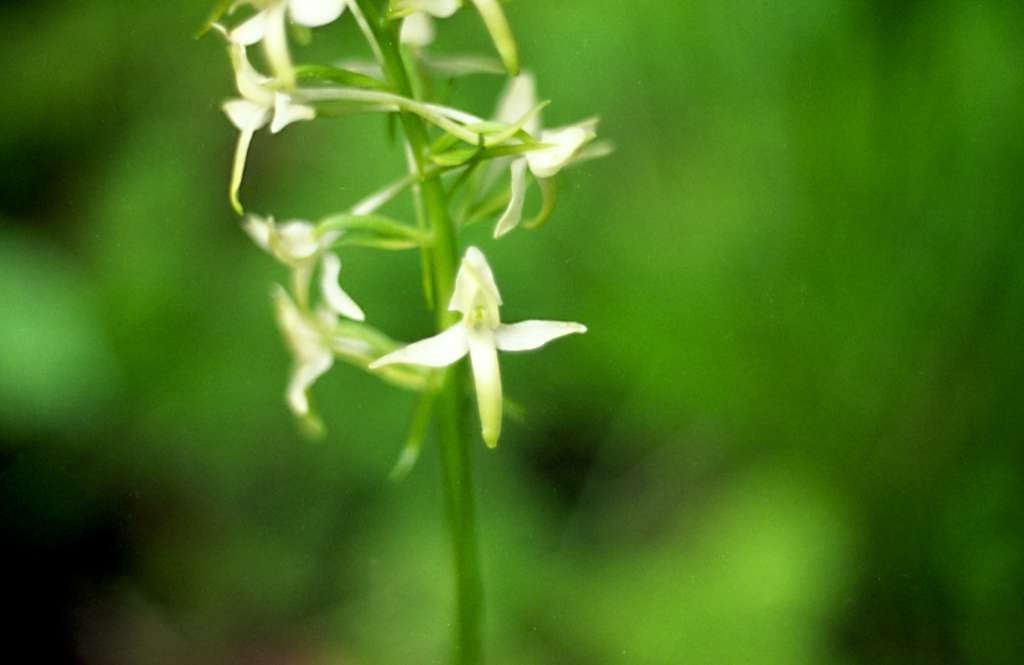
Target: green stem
[[455, 448]]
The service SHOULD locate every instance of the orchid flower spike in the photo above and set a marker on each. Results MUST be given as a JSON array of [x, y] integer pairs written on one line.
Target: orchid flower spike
[[298, 245], [313, 343], [258, 105], [268, 25], [418, 27], [481, 334], [564, 146]]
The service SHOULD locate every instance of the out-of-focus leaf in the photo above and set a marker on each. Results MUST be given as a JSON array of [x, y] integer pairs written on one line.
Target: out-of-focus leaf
[[55, 366]]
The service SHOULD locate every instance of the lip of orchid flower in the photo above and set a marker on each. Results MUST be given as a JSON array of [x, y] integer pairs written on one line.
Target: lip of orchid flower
[[480, 334], [257, 106]]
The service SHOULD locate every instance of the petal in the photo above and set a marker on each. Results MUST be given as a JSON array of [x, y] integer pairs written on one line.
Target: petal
[[299, 330], [249, 31], [528, 335], [564, 144], [303, 377], [519, 96], [275, 44], [259, 229], [334, 296], [314, 13], [483, 355], [438, 351], [473, 281], [286, 112], [514, 212], [440, 8], [294, 242], [417, 30], [251, 84], [245, 115]]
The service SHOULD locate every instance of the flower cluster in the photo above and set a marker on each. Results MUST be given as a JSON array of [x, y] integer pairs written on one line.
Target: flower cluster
[[469, 154]]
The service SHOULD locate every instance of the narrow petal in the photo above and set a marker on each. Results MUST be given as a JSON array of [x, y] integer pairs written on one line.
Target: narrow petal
[[314, 13], [334, 296], [246, 115], [238, 169], [303, 377], [528, 335], [483, 355], [473, 280], [438, 351], [286, 112], [251, 84], [564, 144], [514, 212], [275, 44], [250, 31]]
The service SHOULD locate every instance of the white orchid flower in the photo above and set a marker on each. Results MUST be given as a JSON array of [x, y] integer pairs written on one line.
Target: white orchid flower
[[259, 105], [564, 146], [418, 27], [481, 334], [311, 338], [297, 244], [268, 25]]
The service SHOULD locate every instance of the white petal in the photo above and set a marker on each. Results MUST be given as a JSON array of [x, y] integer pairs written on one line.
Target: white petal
[[334, 296], [314, 13], [528, 335], [251, 84], [300, 330], [245, 115], [294, 242], [303, 377], [250, 31], [473, 282], [439, 8], [519, 96], [286, 112], [514, 212], [564, 144], [438, 351], [275, 44], [417, 30], [483, 356], [259, 229]]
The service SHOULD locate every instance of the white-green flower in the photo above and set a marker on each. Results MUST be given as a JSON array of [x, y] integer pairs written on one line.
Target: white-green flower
[[313, 343], [418, 27], [297, 244], [564, 146], [268, 25], [481, 334], [258, 106]]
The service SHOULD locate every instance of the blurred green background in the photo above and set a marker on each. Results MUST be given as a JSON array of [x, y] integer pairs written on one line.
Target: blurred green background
[[792, 434]]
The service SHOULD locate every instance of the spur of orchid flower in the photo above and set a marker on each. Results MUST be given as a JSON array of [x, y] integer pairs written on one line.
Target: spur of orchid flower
[[480, 334]]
